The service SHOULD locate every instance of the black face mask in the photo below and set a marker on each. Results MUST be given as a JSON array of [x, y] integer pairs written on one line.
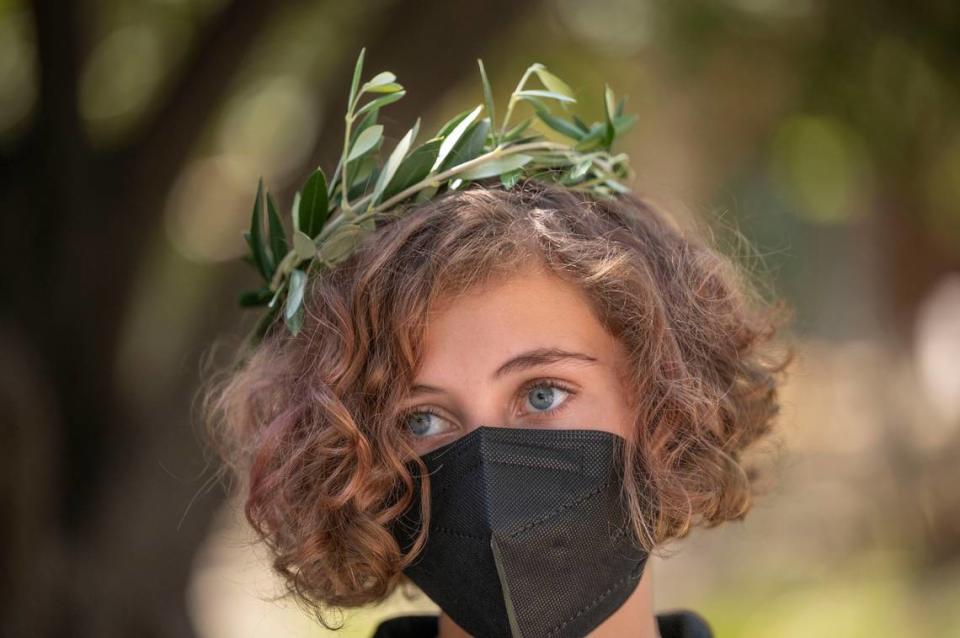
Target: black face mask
[[528, 536]]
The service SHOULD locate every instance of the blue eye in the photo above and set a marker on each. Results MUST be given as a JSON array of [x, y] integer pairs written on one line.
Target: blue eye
[[545, 397], [422, 423]]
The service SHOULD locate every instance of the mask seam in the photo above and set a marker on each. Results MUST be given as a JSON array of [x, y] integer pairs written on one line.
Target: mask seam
[[578, 471], [559, 509]]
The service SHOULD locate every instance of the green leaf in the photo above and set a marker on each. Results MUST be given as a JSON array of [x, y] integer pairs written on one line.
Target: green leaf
[[252, 298], [341, 244], [560, 125], [592, 139], [383, 100], [355, 84], [393, 162], [525, 139], [452, 122], [487, 93], [581, 124], [450, 141], [278, 237], [617, 186], [366, 141], [623, 123], [510, 179], [609, 102], [369, 119], [295, 323], [313, 210], [304, 245], [295, 210], [497, 167], [392, 87], [517, 130], [255, 238], [413, 169], [362, 171], [560, 97], [581, 168], [298, 281], [610, 108], [553, 83], [379, 80], [293, 311], [471, 145]]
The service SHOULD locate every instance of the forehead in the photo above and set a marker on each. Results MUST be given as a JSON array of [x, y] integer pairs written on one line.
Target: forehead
[[529, 308]]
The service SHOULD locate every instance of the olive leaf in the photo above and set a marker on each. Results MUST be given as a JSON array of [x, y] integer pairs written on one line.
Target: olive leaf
[[560, 125], [293, 310], [278, 239], [414, 168], [560, 97], [303, 245], [510, 179], [450, 141], [341, 244], [496, 167], [452, 122], [553, 83], [255, 239], [357, 71], [487, 93], [366, 141], [393, 162], [382, 101], [380, 80], [469, 146], [312, 210]]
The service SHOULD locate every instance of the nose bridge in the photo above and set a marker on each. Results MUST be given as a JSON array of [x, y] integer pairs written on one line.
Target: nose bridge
[[491, 418], [483, 405], [486, 411]]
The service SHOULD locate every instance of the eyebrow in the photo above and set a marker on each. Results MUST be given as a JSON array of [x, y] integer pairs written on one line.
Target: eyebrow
[[522, 361]]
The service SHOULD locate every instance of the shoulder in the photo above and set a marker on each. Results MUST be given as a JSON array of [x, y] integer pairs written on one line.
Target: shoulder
[[678, 623]]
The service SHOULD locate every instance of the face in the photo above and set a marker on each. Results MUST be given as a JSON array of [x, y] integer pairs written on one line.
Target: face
[[526, 351]]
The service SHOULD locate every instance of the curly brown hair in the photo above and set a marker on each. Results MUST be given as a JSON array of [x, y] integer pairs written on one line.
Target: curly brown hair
[[309, 424]]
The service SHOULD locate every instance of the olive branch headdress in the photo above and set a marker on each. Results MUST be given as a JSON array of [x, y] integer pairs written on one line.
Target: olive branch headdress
[[330, 217]]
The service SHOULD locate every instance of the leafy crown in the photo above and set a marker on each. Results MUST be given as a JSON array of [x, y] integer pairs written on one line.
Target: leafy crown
[[331, 216]]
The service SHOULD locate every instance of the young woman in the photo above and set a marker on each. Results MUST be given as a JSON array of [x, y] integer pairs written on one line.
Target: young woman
[[510, 397], [499, 377]]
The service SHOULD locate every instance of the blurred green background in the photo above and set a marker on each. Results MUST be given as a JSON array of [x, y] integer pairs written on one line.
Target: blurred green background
[[132, 133]]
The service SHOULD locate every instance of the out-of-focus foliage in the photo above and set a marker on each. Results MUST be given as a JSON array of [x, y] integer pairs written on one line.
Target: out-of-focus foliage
[[824, 135]]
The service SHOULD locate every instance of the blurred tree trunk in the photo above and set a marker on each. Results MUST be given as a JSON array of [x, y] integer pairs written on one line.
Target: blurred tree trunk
[[95, 544]]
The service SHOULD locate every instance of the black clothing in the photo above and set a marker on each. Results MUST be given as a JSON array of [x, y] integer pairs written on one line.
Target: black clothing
[[672, 624]]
